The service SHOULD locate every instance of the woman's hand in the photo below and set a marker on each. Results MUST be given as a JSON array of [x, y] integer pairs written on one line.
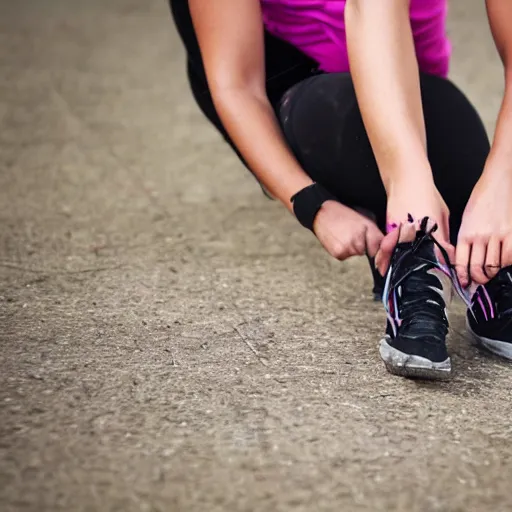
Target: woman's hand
[[417, 200], [484, 242], [343, 232]]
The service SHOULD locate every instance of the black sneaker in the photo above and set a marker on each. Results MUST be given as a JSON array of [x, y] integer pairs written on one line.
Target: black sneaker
[[415, 340], [490, 316]]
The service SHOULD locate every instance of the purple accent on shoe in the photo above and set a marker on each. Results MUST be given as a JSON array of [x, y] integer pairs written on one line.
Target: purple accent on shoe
[[491, 308], [482, 306]]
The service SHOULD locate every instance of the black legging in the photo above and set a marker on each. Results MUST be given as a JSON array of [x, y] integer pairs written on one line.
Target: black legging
[[322, 123]]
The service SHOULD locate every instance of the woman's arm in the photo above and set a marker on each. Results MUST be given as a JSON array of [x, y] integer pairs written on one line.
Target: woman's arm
[[484, 243], [386, 79], [230, 34], [500, 18]]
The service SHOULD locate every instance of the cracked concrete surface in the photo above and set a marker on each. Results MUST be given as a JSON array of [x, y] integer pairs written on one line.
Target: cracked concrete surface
[[171, 340]]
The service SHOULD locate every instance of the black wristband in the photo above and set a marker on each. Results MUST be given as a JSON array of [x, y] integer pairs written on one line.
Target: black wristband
[[308, 201]]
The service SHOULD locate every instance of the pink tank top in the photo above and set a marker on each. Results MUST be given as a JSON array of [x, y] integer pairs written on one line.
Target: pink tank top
[[317, 28]]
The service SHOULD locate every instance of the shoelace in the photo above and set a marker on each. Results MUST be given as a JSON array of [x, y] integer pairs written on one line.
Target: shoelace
[[426, 303], [422, 308]]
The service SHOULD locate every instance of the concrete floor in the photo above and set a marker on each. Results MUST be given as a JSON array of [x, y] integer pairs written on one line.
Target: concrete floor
[[171, 340]]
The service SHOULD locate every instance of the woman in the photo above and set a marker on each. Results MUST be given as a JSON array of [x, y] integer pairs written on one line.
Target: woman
[[343, 112]]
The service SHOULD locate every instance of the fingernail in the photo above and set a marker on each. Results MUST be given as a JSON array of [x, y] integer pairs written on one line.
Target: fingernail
[[391, 226]]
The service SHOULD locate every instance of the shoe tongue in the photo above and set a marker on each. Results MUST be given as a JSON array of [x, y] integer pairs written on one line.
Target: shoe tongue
[[424, 249], [423, 260]]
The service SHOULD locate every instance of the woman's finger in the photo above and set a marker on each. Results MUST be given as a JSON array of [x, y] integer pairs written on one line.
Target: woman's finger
[[408, 232], [462, 255], [493, 257], [385, 252], [506, 251], [338, 248], [358, 246], [374, 238], [477, 262]]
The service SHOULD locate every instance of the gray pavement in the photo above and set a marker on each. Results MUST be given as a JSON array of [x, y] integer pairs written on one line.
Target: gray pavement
[[171, 340]]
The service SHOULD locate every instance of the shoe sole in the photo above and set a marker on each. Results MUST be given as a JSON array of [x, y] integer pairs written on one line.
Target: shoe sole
[[414, 367], [499, 348]]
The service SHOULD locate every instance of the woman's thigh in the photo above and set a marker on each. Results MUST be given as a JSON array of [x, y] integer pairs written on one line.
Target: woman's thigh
[[322, 123], [457, 143]]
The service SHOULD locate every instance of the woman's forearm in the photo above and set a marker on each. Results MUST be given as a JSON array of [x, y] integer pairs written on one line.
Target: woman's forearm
[[500, 19], [500, 157], [251, 123], [386, 79], [230, 35]]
